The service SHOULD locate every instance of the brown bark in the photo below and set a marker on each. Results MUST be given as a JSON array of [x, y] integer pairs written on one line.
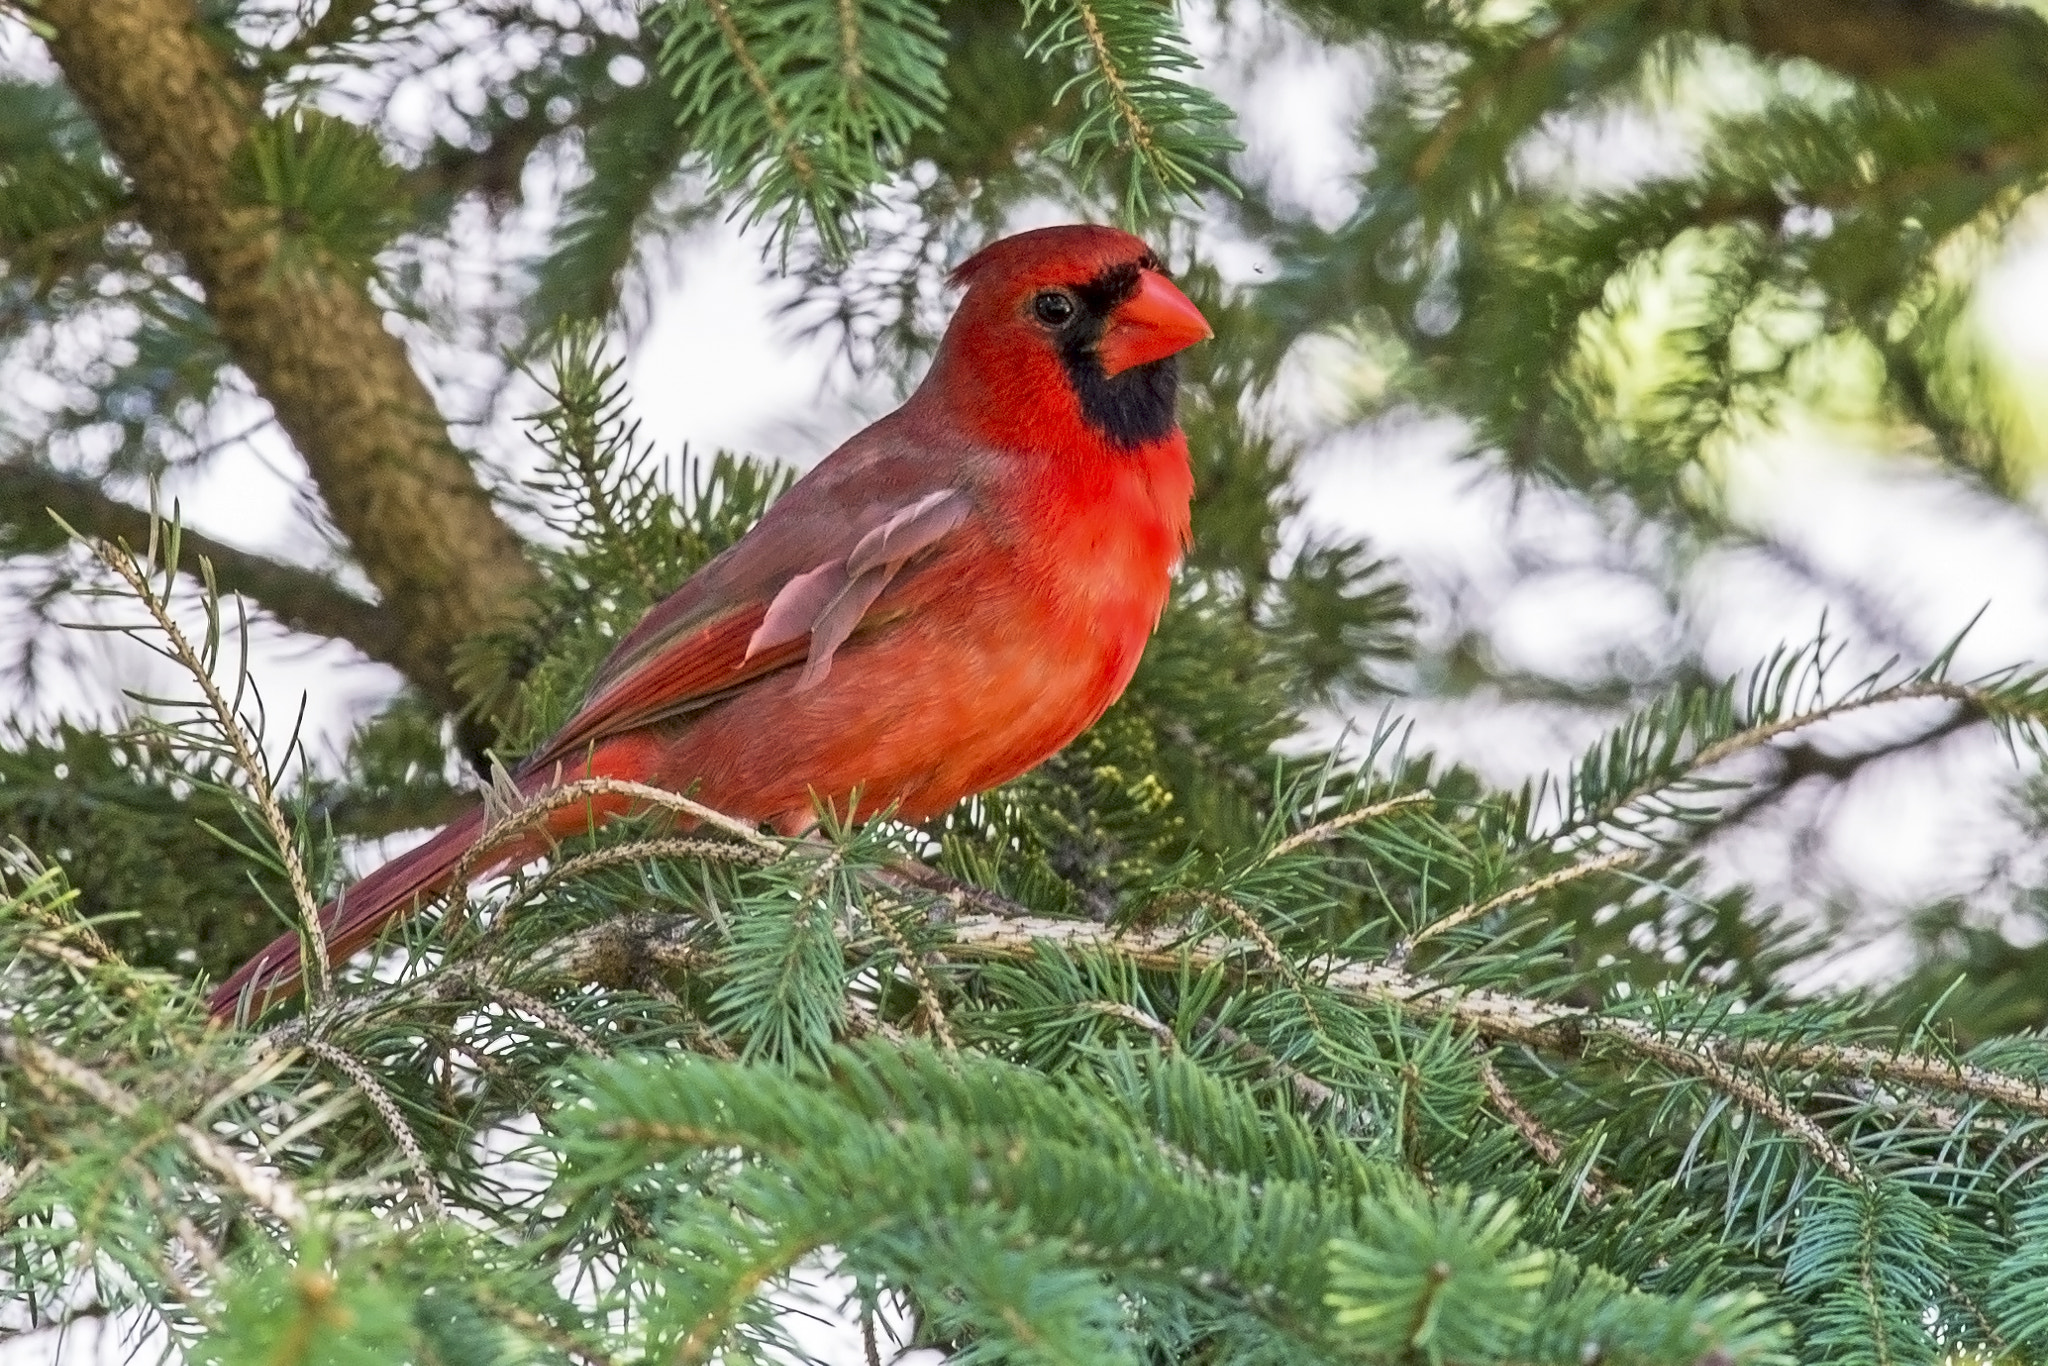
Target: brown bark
[[301, 598], [1886, 39], [313, 343]]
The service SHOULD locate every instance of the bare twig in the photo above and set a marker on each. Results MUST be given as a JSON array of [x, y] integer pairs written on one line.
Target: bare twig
[[1161, 1032], [265, 1190], [913, 963], [373, 1090], [1513, 896], [1541, 1141], [123, 563], [1323, 830], [864, 1023]]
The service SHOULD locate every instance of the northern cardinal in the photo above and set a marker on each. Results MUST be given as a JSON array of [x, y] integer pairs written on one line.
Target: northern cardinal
[[942, 603]]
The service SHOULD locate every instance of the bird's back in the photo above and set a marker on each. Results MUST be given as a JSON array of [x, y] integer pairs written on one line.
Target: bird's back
[[986, 654]]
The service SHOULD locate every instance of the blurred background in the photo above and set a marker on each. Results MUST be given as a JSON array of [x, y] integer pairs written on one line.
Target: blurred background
[[1567, 354]]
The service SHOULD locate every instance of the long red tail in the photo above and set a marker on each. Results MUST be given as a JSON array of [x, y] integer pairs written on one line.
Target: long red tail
[[355, 918]]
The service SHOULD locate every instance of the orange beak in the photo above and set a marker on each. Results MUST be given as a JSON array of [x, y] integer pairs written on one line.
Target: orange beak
[[1151, 325]]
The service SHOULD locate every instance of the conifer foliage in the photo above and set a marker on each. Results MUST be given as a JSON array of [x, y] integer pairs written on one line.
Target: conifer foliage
[[1215, 1039]]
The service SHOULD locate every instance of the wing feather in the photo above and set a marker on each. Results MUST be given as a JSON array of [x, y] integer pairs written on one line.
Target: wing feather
[[831, 627], [792, 591], [689, 673], [800, 603], [922, 524]]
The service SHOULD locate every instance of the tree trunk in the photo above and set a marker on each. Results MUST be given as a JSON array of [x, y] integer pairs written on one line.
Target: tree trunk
[[314, 343]]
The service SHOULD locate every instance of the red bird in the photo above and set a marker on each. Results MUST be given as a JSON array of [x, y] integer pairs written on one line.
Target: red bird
[[945, 601]]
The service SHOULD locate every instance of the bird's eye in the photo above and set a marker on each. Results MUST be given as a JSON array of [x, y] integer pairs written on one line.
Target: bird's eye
[[1053, 307]]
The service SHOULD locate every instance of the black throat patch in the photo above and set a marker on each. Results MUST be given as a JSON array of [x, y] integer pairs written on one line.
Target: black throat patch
[[1130, 409]]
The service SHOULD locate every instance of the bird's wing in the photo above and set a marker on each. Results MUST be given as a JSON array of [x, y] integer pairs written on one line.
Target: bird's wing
[[791, 591]]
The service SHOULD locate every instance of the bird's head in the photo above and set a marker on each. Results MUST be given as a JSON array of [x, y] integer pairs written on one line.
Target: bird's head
[[1072, 322]]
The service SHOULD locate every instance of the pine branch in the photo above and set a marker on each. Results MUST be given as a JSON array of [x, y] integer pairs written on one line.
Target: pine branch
[[1731, 1064], [1886, 39], [1646, 770], [1128, 57], [1543, 1026], [263, 1189], [225, 719], [302, 599], [804, 106]]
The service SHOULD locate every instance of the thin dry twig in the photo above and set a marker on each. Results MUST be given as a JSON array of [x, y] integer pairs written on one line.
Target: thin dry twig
[[1543, 1025], [528, 814], [1161, 1032], [958, 896], [387, 1109], [1550, 882], [265, 1190], [548, 1015], [913, 963], [1541, 1141], [123, 563], [1323, 830]]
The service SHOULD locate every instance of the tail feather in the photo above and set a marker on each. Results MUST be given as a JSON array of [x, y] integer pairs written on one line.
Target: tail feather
[[355, 918]]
